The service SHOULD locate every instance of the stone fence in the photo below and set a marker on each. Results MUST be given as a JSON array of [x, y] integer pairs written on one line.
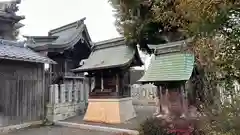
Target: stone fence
[[144, 94], [67, 100]]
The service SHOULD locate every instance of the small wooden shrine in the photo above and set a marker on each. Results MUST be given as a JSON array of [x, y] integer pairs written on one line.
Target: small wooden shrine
[[109, 66], [169, 70]]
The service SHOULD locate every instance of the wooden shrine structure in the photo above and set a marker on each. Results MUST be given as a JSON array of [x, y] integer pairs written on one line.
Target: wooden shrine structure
[[108, 65], [67, 45], [169, 70]]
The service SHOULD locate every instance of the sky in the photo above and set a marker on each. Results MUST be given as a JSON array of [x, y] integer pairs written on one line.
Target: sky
[[44, 15]]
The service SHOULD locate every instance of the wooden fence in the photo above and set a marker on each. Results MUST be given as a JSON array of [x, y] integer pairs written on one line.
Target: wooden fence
[[21, 93]]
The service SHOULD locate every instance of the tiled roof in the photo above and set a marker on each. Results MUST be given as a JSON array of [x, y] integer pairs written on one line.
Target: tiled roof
[[60, 38], [16, 51], [108, 54]]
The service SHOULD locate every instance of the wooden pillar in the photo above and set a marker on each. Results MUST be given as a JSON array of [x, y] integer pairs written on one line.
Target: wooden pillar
[[117, 83], [90, 85], [183, 98], [167, 101], [160, 99], [158, 102], [102, 86]]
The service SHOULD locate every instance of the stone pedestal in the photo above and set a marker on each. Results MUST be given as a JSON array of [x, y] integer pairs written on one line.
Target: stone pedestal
[[110, 110]]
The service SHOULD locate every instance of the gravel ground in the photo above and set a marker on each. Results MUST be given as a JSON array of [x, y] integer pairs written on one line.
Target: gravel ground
[[56, 131]]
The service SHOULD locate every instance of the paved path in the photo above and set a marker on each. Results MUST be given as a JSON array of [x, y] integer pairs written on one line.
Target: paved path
[[56, 131], [143, 112]]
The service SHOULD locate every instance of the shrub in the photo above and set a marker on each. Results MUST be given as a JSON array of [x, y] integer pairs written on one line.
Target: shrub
[[153, 126], [224, 121]]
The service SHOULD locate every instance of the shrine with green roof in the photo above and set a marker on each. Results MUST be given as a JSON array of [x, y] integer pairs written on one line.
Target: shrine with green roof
[[170, 68], [109, 66]]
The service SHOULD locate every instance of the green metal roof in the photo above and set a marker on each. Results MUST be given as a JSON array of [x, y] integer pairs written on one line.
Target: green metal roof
[[108, 54], [169, 67], [171, 62]]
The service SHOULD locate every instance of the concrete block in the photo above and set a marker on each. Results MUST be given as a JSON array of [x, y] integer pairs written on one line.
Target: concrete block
[[121, 110]]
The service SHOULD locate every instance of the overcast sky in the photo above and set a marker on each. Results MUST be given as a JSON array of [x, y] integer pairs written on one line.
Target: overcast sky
[[43, 15]]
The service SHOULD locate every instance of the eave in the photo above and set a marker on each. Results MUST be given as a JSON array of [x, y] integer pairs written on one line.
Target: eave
[[113, 53], [61, 45]]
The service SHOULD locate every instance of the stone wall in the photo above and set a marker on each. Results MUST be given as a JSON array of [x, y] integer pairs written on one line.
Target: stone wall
[[62, 111]]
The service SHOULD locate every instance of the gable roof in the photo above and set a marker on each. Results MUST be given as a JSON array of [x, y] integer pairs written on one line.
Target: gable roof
[[16, 51], [109, 54], [170, 63], [61, 38]]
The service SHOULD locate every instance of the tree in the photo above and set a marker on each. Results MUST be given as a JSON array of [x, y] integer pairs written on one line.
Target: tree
[[213, 25]]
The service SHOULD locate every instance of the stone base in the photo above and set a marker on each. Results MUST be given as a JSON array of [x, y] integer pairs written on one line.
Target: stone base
[[110, 110], [63, 111]]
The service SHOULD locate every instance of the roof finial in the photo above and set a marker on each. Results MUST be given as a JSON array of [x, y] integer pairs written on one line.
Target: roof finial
[[80, 22]]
